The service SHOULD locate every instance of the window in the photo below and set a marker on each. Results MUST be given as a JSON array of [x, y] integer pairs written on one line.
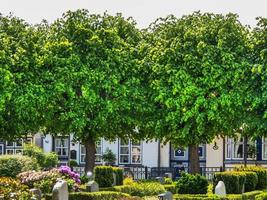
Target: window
[[98, 155], [264, 148], [235, 148], [179, 152], [62, 146], [1, 149], [124, 151], [201, 151], [130, 152], [10, 151], [136, 153], [10, 144]]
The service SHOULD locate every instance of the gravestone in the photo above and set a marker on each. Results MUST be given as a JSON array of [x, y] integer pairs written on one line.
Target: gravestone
[[168, 175], [165, 196], [92, 186], [160, 180], [60, 190], [220, 189], [37, 194]]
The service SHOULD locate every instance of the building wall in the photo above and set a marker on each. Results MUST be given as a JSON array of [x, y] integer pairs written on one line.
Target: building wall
[[214, 156], [150, 153], [165, 155]]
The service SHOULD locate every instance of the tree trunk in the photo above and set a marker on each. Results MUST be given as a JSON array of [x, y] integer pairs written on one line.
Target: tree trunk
[[245, 150], [90, 150], [194, 167]]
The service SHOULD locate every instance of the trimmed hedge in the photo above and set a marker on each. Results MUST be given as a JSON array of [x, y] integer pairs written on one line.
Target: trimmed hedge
[[141, 189], [170, 188], [105, 195], [245, 196], [260, 171], [233, 181], [104, 176], [192, 184], [119, 175], [12, 165], [262, 196], [251, 181]]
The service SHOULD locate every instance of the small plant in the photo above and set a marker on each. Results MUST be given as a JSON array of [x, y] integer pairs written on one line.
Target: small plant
[[192, 184], [168, 181], [73, 163], [128, 181], [84, 179], [109, 157]]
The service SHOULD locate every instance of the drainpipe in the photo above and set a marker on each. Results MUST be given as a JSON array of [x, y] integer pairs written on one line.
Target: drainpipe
[[159, 153], [223, 154]]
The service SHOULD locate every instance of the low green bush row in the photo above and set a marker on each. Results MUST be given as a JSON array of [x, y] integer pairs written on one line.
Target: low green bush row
[[105, 195], [139, 189], [245, 196], [261, 173], [233, 181], [170, 188], [262, 196]]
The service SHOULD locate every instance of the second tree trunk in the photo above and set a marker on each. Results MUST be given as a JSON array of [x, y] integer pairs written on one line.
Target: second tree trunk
[[194, 167]]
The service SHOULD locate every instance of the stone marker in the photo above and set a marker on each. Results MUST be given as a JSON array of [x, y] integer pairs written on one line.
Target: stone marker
[[37, 194], [168, 175], [92, 186], [160, 180], [60, 191], [220, 189], [165, 196]]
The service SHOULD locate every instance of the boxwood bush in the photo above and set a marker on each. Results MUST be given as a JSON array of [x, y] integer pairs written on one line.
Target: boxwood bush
[[233, 181], [192, 184], [12, 165], [262, 196], [105, 195], [142, 189], [261, 173], [119, 175], [103, 176], [251, 181]]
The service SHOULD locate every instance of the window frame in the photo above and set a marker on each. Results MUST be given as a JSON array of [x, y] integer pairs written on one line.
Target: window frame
[[61, 147], [264, 147], [130, 145]]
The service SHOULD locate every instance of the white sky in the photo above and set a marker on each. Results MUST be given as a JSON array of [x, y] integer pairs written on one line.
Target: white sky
[[143, 11]]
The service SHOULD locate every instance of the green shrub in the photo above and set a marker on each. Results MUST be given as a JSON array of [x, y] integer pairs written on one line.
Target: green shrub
[[262, 196], [9, 185], [170, 188], [104, 176], [142, 189], [195, 197], [251, 181], [119, 175], [84, 179], [168, 181], [233, 181], [45, 160], [106, 195], [192, 184], [262, 175], [251, 195], [12, 165]]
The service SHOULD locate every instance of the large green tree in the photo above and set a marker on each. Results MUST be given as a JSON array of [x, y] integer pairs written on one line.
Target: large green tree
[[20, 91], [198, 64], [90, 72]]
